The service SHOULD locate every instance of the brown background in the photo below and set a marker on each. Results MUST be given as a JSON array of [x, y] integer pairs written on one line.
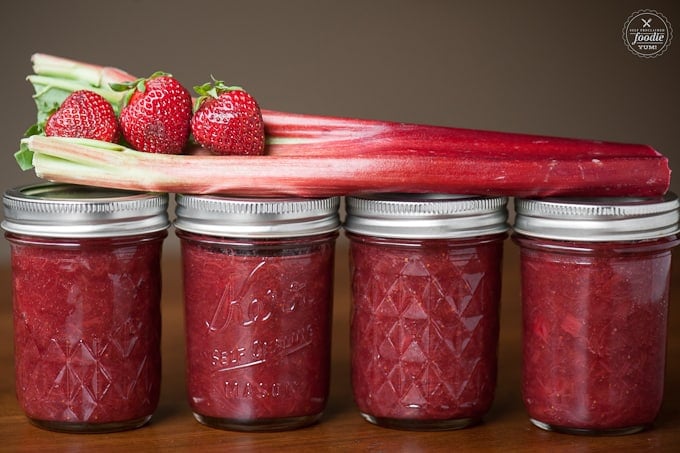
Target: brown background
[[555, 68]]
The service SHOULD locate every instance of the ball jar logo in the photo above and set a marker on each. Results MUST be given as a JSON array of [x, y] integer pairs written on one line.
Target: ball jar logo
[[647, 33]]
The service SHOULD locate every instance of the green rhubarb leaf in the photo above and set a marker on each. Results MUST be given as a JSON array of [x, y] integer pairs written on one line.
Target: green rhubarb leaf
[[50, 92], [47, 100], [24, 157], [35, 129]]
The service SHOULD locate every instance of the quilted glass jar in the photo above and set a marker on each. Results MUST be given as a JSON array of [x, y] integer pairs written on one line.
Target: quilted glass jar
[[86, 290], [426, 279]]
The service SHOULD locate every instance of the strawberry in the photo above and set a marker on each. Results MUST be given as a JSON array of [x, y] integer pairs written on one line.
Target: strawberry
[[157, 116], [84, 114], [227, 120]]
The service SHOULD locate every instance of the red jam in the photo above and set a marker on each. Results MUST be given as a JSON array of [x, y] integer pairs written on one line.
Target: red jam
[[594, 318], [87, 330], [424, 329], [258, 319]]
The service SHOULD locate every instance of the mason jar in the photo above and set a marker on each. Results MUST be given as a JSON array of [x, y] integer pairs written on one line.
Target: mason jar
[[595, 294], [258, 290], [86, 289], [426, 282]]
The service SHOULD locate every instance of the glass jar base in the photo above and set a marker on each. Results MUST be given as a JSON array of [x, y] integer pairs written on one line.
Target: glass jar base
[[421, 425], [589, 432], [90, 428], [261, 425]]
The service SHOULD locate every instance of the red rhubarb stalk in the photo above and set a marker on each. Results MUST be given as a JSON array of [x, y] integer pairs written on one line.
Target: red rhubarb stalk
[[299, 134], [319, 155], [104, 164]]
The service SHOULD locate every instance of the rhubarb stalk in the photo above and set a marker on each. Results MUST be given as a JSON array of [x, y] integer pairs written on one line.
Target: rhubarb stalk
[[312, 155], [299, 134], [105, 164]]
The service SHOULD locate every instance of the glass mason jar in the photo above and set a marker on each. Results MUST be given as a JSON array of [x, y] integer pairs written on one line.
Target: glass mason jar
[[86, 287], [426, 281], [258, 289], [595, 288]]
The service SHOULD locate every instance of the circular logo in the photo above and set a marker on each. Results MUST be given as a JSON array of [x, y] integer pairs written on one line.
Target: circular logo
[[647, 33]]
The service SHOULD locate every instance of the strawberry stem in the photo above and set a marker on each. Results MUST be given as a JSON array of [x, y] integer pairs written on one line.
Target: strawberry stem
[[211, 90]]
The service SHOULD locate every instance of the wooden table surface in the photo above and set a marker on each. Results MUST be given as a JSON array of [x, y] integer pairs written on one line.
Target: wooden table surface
[[506, 428]]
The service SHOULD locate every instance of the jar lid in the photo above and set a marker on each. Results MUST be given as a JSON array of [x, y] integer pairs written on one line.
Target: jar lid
[[256, 217], [76, 211], [598, 219], [426, 216]]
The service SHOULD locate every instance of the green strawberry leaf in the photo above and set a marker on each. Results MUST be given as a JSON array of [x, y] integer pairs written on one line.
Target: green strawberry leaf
[[129, 88], [212, 90]]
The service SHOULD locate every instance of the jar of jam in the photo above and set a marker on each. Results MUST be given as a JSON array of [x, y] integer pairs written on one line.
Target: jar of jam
[[86, 287], [595, 294], [258, 289], [426, 281]]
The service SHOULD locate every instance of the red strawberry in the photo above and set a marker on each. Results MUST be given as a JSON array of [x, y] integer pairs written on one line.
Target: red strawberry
[[156, 118], [84, 114], [227, 120]]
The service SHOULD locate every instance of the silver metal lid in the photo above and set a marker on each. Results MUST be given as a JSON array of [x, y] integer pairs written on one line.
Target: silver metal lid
[[256, 217], [598, 219], [426, 216], [75, 211]]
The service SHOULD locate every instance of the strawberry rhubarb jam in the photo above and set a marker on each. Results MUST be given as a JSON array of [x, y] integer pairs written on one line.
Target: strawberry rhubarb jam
[[258, 289], [426, 281], [595, 295], [86, 294]]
